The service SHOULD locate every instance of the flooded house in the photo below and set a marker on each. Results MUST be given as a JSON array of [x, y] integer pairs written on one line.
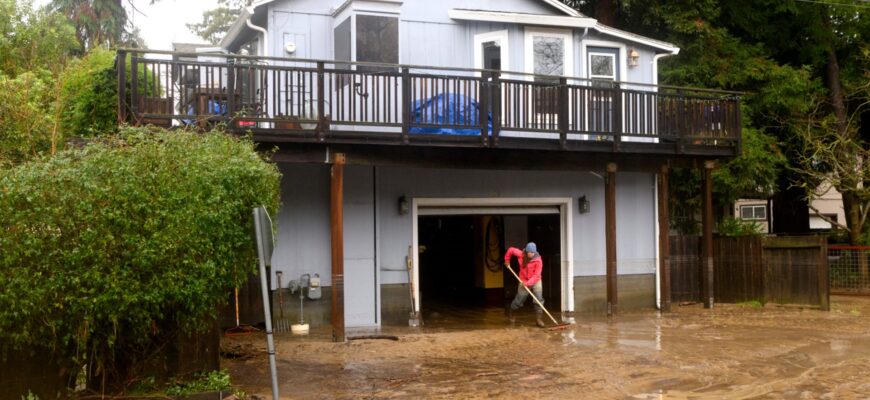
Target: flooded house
[[418, 140]]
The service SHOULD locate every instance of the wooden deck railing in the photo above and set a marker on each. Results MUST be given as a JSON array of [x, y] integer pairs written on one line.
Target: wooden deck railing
[[347, 102]]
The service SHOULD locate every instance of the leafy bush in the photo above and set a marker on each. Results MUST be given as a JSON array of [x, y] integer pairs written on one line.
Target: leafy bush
[[736, 227], [89, 94], [109, 248], [26, 128], [209, 382]]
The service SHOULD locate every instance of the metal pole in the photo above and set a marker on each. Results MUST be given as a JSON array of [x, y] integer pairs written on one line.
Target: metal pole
[[264, 285]]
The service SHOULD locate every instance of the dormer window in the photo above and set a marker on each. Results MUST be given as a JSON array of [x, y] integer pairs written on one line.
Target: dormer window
[[377, 40], [367, 33]]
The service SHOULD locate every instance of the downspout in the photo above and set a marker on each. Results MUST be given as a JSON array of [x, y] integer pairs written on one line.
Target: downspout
[[655, 79], [251, 9], [655, 64]]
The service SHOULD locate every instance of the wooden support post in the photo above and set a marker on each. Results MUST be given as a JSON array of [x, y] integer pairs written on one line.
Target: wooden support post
[[664, 241], [823, 273], [610, 237], [336, 218], [707, 241]]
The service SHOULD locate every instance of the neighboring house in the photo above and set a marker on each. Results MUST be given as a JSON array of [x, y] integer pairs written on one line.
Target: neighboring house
[[575, 134], [826, 207]]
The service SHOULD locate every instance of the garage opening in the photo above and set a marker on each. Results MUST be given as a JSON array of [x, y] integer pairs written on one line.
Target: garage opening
[[460, 262]]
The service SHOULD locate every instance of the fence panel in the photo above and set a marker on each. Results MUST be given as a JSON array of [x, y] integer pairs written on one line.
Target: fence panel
[[796, 270], [685, 268], [849, 269], [785, 270], [738, 269]]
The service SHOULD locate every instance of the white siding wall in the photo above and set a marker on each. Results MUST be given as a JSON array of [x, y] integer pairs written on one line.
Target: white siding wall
[[428, 37], [303, 222]]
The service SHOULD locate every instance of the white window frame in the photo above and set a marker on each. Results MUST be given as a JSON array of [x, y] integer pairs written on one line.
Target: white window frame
[[529, 54], [623, 64], [753, 206], [529, 61], [501, 37], [612, 56]]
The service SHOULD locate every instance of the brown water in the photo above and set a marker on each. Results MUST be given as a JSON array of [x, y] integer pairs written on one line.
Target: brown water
[[729, 352]]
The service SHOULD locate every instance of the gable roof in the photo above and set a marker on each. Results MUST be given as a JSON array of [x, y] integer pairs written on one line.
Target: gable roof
[[573, 19]]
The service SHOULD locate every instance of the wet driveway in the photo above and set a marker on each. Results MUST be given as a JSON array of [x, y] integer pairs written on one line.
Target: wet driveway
[[728, 352]]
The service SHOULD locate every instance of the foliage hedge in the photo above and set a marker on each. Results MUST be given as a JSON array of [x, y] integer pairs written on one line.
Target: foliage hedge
[[126, 239], [89, 93]]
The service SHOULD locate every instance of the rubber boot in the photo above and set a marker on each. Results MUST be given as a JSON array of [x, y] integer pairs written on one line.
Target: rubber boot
[[539, 319], [510, 315]]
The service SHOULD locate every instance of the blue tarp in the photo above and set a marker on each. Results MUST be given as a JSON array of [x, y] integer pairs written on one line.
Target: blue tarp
[[214, 108], [449, 109]]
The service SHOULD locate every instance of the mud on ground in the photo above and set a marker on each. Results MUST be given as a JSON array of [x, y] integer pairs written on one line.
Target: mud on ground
[[731, 351]]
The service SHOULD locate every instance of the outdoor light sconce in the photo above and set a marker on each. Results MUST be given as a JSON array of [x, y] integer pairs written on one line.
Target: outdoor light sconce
[[403, 205], [633, 57], [583, 205]]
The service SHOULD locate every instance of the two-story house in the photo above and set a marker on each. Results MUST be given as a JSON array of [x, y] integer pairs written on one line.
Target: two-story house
[[418, 139]]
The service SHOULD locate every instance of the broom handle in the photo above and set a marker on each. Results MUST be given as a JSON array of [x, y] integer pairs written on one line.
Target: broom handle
[[530, 293]]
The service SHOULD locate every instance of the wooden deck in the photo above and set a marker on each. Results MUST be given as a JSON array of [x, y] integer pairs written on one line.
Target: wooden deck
[[335, 102]]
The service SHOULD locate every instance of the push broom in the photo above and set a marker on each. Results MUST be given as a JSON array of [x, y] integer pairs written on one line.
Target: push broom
[[557, 326]]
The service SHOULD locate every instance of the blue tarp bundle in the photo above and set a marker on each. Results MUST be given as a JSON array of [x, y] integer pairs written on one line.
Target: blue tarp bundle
[[449, 109]]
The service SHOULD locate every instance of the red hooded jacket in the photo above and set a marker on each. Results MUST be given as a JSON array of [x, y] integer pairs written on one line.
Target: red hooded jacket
[[530, 273]]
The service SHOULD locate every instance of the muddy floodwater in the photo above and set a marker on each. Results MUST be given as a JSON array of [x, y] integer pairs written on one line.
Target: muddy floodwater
[[731, 351]]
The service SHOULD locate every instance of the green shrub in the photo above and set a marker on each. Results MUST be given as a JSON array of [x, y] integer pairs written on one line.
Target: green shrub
[[109, 248], [732, 227], [89, 94], [209, 382], [26, 128]]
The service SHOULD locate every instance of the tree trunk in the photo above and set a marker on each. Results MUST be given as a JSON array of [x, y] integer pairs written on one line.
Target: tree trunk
[[605, 12], [851, 203]]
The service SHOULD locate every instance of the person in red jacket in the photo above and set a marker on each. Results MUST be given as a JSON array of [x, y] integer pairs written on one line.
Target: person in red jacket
[[530, 275]]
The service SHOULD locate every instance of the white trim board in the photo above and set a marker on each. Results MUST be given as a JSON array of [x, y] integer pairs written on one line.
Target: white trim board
[[521, 18], [566, 227]]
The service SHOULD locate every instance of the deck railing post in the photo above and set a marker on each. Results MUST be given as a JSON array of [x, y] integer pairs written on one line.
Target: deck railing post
[[134, 87], [617, 117], [680, 124], [231, 94], [482, 108], [121, 64], [321, 102], [406, 104], [496, 108], [737, 125], [563, 113]]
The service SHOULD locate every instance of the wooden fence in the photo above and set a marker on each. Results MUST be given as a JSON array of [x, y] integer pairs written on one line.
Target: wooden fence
[[784, 270]]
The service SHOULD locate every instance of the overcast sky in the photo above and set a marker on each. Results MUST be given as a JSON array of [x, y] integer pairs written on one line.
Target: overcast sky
[[163, 23]]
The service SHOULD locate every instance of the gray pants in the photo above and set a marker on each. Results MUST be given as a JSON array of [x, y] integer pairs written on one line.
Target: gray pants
[[522, 295]]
